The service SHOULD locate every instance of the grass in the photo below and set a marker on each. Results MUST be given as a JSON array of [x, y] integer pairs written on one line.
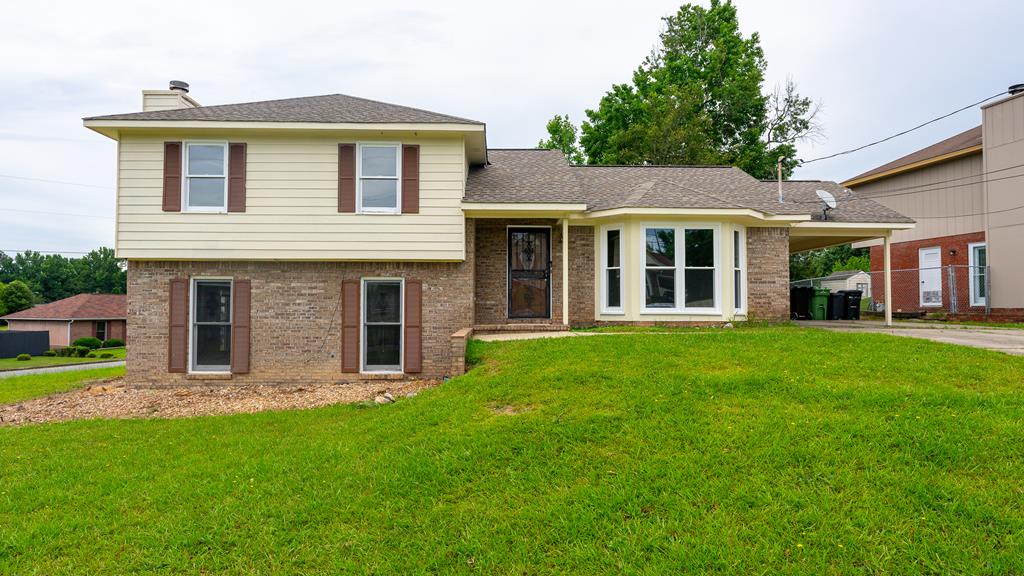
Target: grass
[[41, 361], [788, 450], [18, 388], [633, 329]]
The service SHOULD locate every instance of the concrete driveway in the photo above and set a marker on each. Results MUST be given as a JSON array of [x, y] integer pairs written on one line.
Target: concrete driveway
[[1010, 341]]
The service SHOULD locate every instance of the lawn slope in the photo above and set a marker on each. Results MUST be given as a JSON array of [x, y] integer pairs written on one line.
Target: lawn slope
[[745, 451]]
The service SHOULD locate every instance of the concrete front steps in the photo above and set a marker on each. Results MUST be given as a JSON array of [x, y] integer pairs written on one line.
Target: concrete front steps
[[514, 328]]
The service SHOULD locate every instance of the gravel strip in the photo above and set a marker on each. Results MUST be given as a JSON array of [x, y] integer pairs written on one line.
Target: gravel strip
[[111, 399]]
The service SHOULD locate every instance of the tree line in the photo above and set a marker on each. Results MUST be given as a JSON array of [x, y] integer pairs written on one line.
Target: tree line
[[31, 278]]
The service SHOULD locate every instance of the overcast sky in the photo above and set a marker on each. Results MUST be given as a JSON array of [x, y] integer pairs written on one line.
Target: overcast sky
[[876, 66]]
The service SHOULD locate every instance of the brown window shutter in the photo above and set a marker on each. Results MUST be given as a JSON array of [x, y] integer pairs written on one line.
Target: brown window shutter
[[177, 338], [236, 176], [350, 312], [413, 326], [241, 311], [346, 177], [411, 179], [172, 177]]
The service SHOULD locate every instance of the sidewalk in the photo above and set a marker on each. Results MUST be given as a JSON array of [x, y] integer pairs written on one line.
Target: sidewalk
[[65, 368], [1005, 340]]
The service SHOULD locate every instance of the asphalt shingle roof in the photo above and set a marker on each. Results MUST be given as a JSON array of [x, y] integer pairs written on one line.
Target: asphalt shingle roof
[[330, 108], [532, 176], [78, 307], [962, 141]]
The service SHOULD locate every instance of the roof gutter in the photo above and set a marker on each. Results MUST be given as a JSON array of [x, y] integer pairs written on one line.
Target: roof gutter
[[914, 166]]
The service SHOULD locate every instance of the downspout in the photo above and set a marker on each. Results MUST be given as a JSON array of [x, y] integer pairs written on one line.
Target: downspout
[[70, 322]]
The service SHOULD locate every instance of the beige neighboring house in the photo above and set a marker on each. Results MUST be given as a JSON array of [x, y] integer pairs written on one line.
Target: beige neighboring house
[[966, 194], [848, 280], [332, 238], [102, 316]]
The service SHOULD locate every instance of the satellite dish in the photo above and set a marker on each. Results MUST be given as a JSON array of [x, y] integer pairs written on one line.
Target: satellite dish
[[829, 200]]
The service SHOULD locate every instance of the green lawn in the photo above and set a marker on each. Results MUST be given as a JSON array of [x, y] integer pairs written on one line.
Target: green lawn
[[40, 361], [759, 451], [18, 388]]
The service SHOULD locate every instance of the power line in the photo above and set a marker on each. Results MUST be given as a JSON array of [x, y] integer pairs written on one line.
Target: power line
[[919, 189], [8, 250], [55, 182], [58, 213], [907, 131], [967, 215]]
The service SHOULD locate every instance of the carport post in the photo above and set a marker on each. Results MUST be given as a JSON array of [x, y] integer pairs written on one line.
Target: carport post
[[886, 242]]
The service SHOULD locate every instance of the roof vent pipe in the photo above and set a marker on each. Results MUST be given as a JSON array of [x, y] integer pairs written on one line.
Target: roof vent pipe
[[179, 85], [1015, 89]]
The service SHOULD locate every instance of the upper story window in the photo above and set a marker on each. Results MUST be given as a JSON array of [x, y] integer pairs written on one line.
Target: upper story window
[[380, 171], [206, 169]]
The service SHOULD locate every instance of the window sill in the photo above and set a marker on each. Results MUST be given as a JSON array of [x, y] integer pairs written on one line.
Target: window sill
[[681, 311], [209, 376], [613, 312], [193, 211]]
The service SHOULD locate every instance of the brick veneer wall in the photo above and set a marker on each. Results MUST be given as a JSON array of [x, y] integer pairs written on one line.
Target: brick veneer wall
[[492, 271], [581, 275], [768, 274], [906, 290], [296, 315]]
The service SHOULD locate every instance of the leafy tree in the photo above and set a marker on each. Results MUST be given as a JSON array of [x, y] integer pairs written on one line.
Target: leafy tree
[[698, 99], [854, 262], [53, 276], [562, 136], [822, 262], [99, 272], [17, 297], [3, 308]]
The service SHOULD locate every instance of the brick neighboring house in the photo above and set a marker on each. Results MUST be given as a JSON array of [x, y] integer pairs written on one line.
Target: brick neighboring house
[[102, 316], [334, 238], [965, 193]]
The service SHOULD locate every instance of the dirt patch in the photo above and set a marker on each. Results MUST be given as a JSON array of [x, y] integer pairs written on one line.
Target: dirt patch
[[508, 410], [111, 399]]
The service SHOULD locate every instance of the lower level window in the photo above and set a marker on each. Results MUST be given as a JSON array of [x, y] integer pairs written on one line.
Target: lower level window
[[211, 326], [101, 331], [382, 325], [978, 266]]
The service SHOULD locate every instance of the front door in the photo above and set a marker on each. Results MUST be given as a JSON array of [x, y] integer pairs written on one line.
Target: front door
[[930, 263], [529, 272]]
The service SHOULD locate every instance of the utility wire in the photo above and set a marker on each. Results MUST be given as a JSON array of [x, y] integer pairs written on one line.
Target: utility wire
[[898, 134], [58, 213], [55, 182], [3, 250], [967, 215]]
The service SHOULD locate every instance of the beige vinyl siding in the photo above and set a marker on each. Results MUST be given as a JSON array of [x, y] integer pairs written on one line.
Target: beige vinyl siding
[[1003, 140], [291, 204], [959, 197], [58, 329]]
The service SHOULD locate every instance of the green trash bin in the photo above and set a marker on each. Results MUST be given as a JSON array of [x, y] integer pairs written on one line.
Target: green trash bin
[[819, 304]]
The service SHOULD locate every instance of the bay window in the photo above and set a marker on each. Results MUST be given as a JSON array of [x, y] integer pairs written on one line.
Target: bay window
[[611, 275], [739, 266], [691, 264], [379, 168]]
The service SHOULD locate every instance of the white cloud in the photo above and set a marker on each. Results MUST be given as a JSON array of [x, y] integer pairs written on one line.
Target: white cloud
[[877, 66]]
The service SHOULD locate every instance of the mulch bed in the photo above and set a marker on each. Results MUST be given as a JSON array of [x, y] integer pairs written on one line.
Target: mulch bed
[[112, 399]]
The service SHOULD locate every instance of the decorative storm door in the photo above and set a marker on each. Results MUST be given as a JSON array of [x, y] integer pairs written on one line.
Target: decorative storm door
[[529, 273]]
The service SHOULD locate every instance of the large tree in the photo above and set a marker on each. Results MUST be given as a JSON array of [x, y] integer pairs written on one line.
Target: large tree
[[52, 276], [17, 297], [699, 99]]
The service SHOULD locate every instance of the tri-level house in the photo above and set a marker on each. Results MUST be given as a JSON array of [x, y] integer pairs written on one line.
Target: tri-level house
[[331, 237]]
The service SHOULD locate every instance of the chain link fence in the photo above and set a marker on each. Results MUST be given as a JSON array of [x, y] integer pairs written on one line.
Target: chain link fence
[[953, 289]]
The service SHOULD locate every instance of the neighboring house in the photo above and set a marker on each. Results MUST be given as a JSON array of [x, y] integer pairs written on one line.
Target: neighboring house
[[102, 316], [965, 194], [333, 238], [848, 280]]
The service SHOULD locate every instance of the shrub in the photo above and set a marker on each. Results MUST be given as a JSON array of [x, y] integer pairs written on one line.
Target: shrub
[[113, 343], [23, 357], [50, 353], [81, 351], [88, 342], [91, 355], [107, 355]]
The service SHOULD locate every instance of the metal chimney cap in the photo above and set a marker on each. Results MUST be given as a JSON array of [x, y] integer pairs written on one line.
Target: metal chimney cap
[[1015, 89], [179, 85]]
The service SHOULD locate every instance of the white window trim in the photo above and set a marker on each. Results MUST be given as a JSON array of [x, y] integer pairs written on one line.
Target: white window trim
[[362, 325], [398, 177], [971, 272], [185, 178], [605, 309], [106, 329], [192, 318], [741, 241], [680, 261]]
